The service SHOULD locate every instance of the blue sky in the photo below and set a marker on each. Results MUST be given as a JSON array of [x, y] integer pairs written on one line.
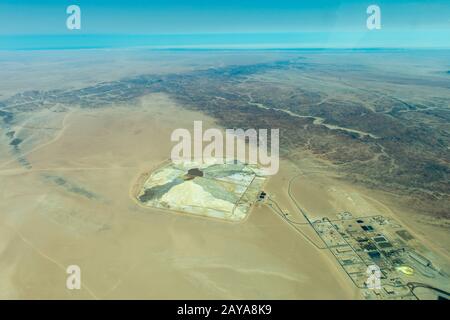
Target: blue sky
[[335, 23]]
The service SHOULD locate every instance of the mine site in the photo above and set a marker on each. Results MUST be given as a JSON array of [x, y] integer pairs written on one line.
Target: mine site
[[225, 191]]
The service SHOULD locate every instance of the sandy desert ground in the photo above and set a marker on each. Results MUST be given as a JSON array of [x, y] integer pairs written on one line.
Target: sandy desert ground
[[70, 201], [74, 207]]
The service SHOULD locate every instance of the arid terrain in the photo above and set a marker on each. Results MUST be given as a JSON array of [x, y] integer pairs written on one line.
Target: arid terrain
[[361, 132]]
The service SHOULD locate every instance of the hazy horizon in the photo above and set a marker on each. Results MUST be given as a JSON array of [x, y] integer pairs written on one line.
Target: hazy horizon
[[291, 40]]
